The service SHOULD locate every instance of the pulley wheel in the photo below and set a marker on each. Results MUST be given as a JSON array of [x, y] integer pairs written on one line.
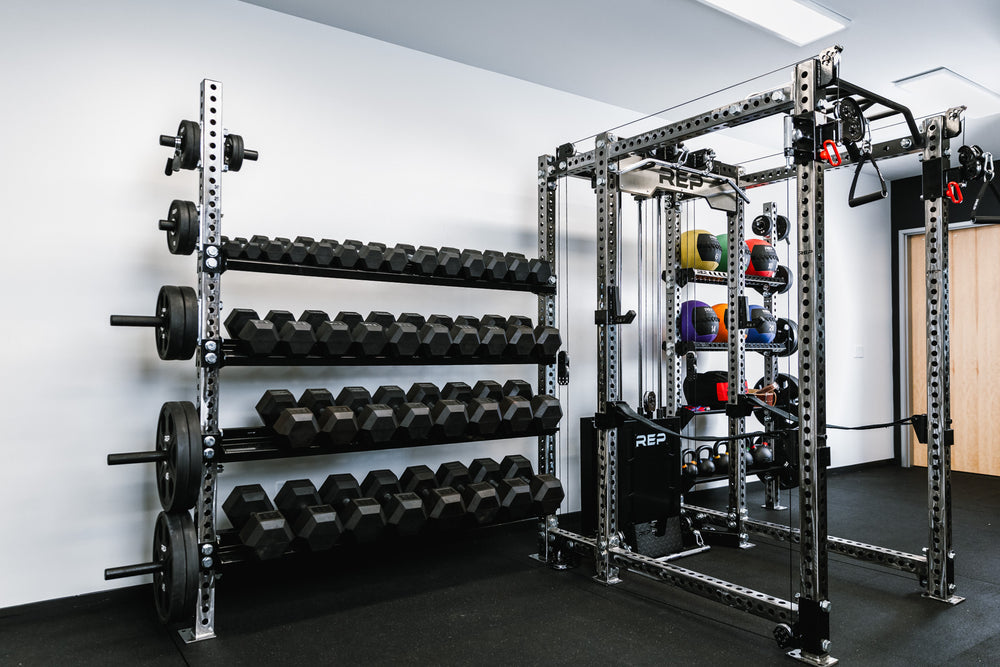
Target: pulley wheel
[[183, 237], [234, 152], [177, 335], [175, 585], [787, 335], [786, 397], [190, 149], [852, 121], [178, 474]]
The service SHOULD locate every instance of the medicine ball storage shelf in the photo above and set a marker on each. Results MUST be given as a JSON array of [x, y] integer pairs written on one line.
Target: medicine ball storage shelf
[[190, 444]]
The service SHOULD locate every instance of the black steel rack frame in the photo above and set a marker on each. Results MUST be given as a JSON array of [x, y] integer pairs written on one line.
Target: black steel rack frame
[[814, 82], [250, 444]]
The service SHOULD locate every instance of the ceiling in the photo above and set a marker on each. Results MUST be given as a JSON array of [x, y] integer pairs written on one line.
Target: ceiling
[[649, 55]]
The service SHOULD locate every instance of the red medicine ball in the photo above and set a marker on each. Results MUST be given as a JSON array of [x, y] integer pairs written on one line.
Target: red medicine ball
[[763, 259]]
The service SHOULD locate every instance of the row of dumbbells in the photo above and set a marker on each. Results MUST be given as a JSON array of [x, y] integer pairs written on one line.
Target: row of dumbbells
[[383, 504], [425, 413], [380, 334], [490, 265]]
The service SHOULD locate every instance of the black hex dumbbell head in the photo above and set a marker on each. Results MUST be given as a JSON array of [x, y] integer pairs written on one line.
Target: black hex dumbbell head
[[361, 517], [371, 256], [413, 421], [296, 427], [296, 251], [381, 317], [394, 260], [465, 340], [515, 414], [295, 337], [434, 340], [468, 320], [337, 424], [481, 501], [539, 272], [484, 416], [333, 338], [312, 520], [349, 317], [517, 388], [546, 412], [256, 336], [443, 320], [233, 248], [493, 320], [376, 423], [496, 265], [514, 494], [255, 247], [403, 511], [449, 262], [450, 419], [316, 400], [416, 319], [456, 391], [492, 341], [424, 260], [488, 389], [368, 339], [390, 395], [320, 253], [271, 404], [520, 339], [275, 248], [314, 318], [547, 341], [473, 265], [516, 466], [517, 267], [345, 255], [424, 392], [354, 397], [442, 504], [402, 340], [520, 320], [546, 494], [262, 528]]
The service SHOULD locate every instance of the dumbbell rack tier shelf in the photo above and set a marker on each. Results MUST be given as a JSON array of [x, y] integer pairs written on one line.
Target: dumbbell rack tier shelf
[[232, 356], [259, 444], [257, 266]]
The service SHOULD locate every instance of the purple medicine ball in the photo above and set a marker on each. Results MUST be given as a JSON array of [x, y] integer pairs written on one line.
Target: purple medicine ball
[[697, 322]]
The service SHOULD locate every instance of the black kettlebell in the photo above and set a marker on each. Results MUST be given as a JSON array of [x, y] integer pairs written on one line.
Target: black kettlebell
[[762, 454], [689, 467], [721, 459], [705, 465]]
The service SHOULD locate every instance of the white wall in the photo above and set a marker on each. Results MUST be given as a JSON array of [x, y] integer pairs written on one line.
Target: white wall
[[358, 139]]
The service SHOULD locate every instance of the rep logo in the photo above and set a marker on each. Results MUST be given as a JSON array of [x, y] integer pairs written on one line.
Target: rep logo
[[680, 179], [650, 439]]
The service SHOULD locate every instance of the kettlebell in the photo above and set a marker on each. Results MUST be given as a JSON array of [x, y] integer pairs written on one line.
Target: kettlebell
[[705, 465], [689, 467], [721, 459], [748, 456], [762, 454]]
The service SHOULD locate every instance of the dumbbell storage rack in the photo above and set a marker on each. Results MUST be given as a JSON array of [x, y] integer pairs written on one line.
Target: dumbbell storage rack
[[815, 87], [217, 445]]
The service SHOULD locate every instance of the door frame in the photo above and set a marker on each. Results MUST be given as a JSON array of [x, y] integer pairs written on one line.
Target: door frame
[[905, 454]]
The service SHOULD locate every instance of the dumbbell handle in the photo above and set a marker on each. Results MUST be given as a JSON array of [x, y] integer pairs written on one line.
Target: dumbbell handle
[[137, 321], [136, 457], [132, 570]]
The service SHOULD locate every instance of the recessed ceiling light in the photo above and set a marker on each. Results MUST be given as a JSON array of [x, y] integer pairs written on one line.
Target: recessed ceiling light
[[942, 84], [797, 21]]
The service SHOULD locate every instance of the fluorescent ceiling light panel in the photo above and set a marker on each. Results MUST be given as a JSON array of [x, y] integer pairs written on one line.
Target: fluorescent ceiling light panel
[[797, 21], [951, 88]]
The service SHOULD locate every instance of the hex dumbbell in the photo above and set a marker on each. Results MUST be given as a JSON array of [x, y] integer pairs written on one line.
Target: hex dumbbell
[[337, 424], [313, 521], [546, 491], [403, 511], [293, 425], [514, 494], [260, 526], [362, 517], [256, 336], [443, 505], [481, 500]]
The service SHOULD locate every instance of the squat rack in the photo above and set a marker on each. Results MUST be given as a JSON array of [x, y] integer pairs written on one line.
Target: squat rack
[[803, 623]]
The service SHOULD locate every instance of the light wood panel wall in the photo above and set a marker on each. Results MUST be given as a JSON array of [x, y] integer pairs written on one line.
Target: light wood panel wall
[[975, 346]]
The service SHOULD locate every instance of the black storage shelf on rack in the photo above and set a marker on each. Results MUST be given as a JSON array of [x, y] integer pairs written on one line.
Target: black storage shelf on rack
[[682, 348], [257, 443], [233, 356], [685, 276], [288, 268]]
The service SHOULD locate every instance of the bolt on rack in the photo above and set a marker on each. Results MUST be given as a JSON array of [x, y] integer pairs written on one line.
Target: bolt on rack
[[191, 445], [640, 165]]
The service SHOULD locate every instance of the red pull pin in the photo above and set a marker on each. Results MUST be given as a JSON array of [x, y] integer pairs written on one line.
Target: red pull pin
[[826, 154], [954, 192]]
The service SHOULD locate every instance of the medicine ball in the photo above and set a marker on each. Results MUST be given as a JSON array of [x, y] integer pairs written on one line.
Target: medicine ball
[[699, 250], [720, 312], [723, 240], [697, 322], [709, 389], [763, 258], [763, 325]]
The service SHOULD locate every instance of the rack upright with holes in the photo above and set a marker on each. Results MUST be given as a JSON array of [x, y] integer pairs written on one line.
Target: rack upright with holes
[[803, 624], [206, 147]]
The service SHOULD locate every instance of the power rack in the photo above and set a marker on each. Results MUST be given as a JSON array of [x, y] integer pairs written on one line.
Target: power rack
[[185, 560], [818, 105]]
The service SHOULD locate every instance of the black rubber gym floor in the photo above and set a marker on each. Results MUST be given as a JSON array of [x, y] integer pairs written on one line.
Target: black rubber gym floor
[[480, 600]]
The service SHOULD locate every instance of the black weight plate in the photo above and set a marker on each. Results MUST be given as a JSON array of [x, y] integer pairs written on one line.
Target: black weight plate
[[190, 134], [170, 308], [761, 225], [189, 336], [783, 274], [175, 548], [178, 475], [787, 334], [234, 152], [786, 398], [183, 238], [781, 228]]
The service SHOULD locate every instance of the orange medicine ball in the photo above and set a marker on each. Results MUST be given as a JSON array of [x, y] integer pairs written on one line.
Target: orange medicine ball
[[720, 312]]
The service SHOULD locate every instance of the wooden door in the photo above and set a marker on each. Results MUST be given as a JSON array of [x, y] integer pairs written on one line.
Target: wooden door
[[975, 346]]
